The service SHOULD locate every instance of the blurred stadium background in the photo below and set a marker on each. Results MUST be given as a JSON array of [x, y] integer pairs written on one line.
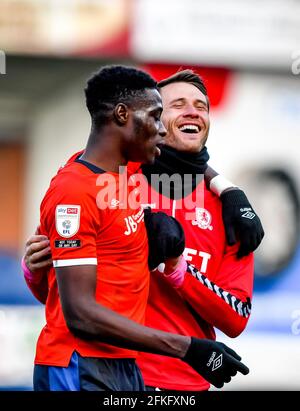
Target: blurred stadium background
[[248, 51]]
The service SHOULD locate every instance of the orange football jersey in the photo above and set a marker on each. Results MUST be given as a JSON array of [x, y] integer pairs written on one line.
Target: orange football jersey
[[88, 221]]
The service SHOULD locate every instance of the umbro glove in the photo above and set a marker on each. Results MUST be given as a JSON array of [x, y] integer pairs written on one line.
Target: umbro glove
[[214, 361], [240, 220], [165, 237]]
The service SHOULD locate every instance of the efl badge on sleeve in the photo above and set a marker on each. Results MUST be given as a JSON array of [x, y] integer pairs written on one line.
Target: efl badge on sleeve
[[67, 220]]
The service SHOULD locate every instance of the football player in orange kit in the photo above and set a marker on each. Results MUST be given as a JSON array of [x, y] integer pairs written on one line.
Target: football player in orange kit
[[98, 285]]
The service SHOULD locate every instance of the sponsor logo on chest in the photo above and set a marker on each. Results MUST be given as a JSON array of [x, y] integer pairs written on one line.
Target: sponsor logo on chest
[[132, 222]]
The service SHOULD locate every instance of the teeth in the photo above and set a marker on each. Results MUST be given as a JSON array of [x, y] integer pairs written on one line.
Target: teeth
[[189, 127]]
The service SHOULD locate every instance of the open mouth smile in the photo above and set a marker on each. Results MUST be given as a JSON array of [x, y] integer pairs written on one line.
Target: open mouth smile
[[190, 128]]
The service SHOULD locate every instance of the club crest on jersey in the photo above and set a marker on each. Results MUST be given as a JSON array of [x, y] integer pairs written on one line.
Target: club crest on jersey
[[203, 219], [67, 220]]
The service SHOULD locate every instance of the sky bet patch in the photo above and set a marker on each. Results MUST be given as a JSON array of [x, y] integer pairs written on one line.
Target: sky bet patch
[[67, 220], [67, 243]]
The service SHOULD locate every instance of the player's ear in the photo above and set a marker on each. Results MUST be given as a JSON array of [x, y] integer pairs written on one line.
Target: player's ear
[[121, 114]]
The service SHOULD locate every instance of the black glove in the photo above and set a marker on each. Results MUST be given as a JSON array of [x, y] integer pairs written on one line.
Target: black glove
[[240, 219], [214, 361], [165, 237]]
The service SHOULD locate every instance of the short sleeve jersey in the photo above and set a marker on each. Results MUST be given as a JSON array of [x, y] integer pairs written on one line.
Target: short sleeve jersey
[[86, 215]]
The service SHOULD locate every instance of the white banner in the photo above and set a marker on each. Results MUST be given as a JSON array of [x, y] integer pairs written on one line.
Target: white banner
[[218, 32]]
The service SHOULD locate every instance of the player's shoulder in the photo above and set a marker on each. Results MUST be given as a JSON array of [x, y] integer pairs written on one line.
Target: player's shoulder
[[71, 185], [71, 177], [75, 156]]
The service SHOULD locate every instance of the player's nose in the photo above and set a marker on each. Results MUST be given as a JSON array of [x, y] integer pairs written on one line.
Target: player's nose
[[191, 112], [162, 130]]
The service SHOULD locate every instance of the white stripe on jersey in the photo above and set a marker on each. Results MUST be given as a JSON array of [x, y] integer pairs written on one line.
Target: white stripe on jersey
[[74, 261]]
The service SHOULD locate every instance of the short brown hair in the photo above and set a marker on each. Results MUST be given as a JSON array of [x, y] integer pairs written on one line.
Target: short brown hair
[[186, 76]]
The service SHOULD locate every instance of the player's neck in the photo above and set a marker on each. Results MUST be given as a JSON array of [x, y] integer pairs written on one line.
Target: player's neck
[[104, 152]]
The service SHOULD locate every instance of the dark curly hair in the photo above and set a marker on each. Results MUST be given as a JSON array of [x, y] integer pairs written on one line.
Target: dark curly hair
[[112, 85]]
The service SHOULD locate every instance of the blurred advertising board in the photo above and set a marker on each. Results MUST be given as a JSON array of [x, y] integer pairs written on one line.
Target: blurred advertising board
[[77, 27], [249, 33]]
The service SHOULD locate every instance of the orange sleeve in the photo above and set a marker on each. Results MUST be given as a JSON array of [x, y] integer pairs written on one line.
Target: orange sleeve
[[70, 219]]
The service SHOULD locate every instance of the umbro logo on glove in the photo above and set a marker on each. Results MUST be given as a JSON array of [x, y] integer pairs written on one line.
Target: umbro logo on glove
[[241, 222], [248, 213], [216, 362]]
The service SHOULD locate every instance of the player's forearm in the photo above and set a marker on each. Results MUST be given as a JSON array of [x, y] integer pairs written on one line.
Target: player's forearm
[[218, 307], [214, 309], [96, 322], [209, 174], [216, 182]]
